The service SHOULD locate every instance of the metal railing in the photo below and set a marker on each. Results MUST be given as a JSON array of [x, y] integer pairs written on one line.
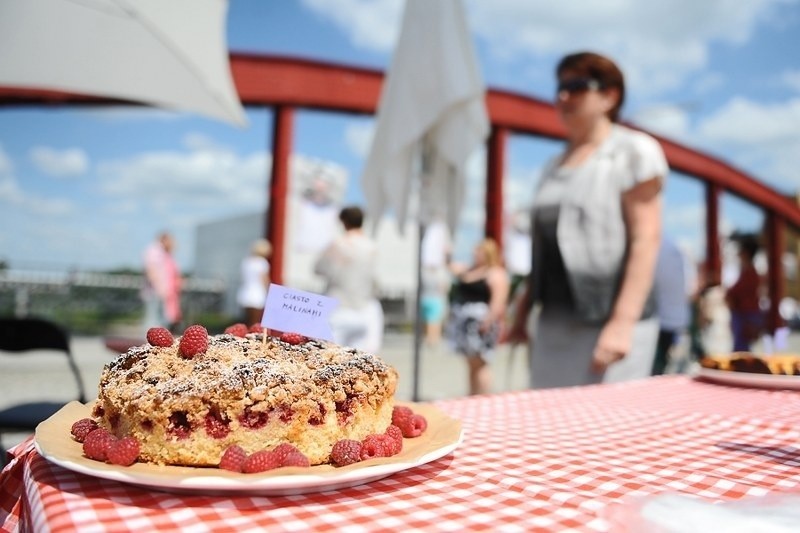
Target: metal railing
[[99, 303]]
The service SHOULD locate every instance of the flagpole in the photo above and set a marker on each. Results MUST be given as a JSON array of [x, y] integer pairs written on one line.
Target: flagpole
[[418, 318], [426, 154]]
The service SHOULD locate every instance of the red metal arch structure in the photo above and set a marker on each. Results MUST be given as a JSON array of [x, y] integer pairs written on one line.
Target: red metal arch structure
[[287, 84]]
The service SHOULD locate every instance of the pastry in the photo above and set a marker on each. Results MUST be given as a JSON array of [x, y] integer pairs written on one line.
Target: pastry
[[255, 392]]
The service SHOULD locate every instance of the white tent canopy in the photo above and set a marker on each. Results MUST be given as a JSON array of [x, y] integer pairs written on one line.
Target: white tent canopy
[[168, 54], [432, 103], [431, 118]]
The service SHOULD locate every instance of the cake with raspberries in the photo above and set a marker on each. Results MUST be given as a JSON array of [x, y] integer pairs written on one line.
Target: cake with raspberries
[[187, 401]]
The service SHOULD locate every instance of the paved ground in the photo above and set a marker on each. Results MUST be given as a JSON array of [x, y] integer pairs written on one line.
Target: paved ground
[[45, 376]]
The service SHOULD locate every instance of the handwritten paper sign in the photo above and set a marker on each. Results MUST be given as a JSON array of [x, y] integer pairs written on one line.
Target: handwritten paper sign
[[296, 311]]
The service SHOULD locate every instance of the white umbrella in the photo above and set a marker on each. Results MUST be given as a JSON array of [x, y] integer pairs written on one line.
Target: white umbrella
[[433, 92], [431, 118], [171, 54]]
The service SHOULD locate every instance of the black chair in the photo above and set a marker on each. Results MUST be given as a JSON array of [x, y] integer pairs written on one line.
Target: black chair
[[20, 336]]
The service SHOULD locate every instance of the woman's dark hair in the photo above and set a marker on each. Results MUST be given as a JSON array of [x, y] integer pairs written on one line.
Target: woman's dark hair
[[598, 68], [352, 217], [749, 246]]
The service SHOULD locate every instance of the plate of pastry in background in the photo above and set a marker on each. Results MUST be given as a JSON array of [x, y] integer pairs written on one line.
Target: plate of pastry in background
[[777, 371]]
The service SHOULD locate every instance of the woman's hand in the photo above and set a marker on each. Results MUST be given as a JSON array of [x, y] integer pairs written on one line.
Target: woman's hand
[[517, 332], [642, 212], [613, 344]]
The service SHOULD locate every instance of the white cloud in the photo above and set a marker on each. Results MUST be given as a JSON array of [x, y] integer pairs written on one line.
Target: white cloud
[[6, 165], [9, 190], [668, 120], [744, 121], [59, 163], [12, 195], [195, 186], [791, 79], [146, 193], [681, 223], [198, 141], [685, 217], [661, 47], [473, 211], [707, 82], [200, 177], [760, 137], [671, 39], [369, 24], [665, 53], [358, 137], [520, 185]]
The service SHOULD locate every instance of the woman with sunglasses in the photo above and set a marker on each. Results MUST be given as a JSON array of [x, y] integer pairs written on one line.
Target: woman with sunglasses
[[596, 233]]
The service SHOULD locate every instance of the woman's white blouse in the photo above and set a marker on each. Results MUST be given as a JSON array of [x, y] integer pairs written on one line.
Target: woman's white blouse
[[591, 229]]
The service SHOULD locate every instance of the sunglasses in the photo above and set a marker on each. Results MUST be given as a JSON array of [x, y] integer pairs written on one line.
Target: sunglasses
[[579, 85]]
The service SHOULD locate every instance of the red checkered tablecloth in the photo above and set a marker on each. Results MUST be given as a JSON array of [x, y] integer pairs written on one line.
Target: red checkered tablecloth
[[533, 460]]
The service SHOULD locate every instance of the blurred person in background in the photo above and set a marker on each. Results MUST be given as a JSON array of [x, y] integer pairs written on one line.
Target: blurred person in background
[[696, 348], [348, 266], [673, 305], [517, 249], [162, 290], [713, 316], [747, 320], [596, 232], [255, 279], [435, 277], [477, 311]]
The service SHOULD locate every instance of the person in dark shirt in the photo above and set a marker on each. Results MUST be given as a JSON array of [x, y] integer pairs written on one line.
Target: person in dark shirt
[[743, 299], [477, 311]]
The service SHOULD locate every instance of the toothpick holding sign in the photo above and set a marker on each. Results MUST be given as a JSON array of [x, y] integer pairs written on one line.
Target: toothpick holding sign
[[296, 311]]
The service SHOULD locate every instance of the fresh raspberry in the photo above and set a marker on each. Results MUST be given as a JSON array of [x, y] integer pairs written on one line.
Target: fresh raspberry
[[83, 427], [97, 443], [194, 341], [237, 330], [260, 462], [400, 413], [233, 458], [346, 452], [296, 459], [283, 449], [389, 443], [159, 337], [376, 446], [293, 338], [256, 328], [123, 452], [413, 426], [396, 434]]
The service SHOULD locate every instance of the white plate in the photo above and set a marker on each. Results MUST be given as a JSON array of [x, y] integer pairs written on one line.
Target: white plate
[[768, 381], [248, 483], [54, 443]]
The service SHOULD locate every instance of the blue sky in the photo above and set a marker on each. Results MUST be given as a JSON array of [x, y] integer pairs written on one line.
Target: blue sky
[[90, 188]]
